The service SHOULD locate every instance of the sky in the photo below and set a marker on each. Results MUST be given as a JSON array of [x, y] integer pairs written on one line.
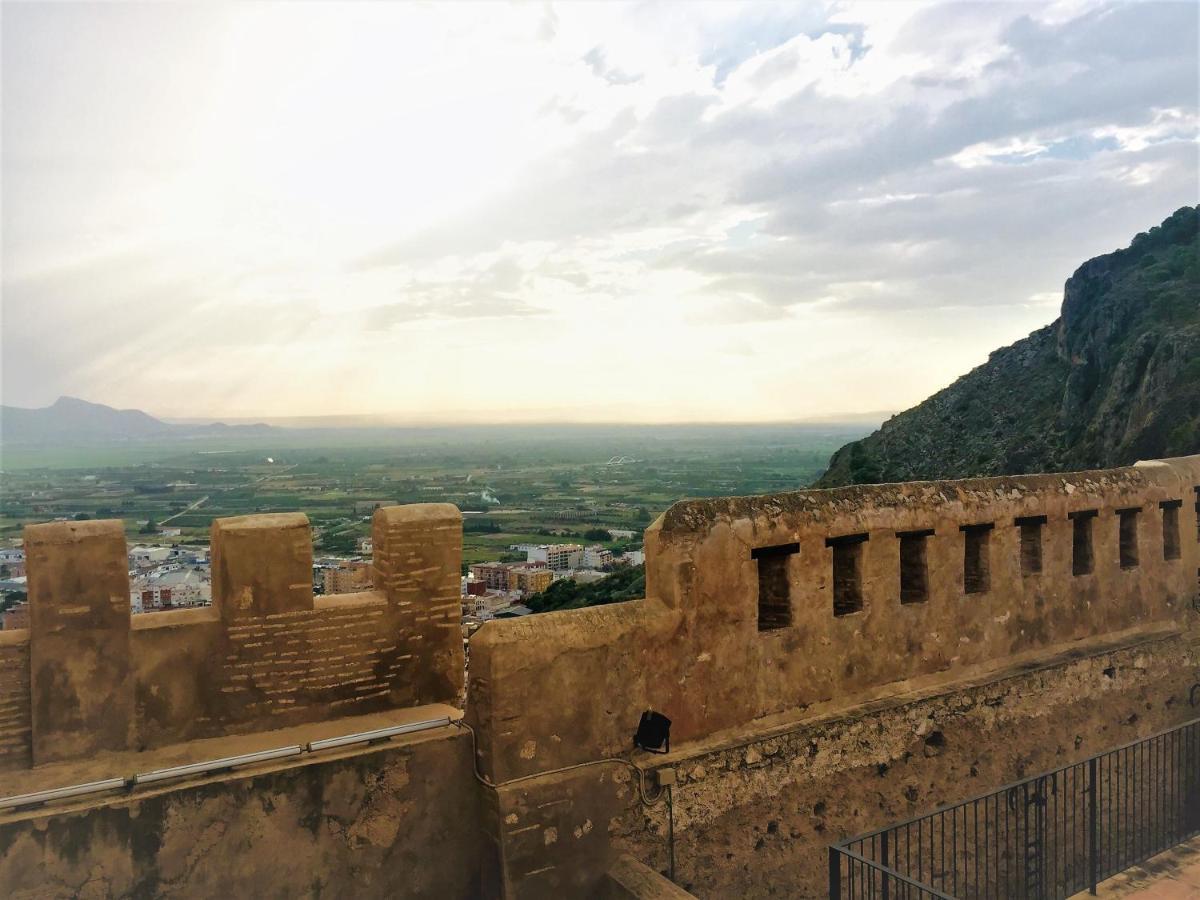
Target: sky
[[651, 212]]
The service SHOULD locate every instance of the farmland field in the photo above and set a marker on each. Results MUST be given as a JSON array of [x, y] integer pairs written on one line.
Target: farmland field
[[514, 484]]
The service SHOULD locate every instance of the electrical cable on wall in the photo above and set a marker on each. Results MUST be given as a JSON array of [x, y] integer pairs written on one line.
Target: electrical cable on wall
[[608, 760]]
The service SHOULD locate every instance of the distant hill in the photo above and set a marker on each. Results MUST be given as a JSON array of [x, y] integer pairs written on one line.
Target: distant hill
[[71, 419], [1114, 379]]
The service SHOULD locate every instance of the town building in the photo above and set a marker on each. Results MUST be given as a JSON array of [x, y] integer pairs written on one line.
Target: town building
[[169, 587], [529, 579], [597, 557], [488, 605], [559, 557], [16, 617], [148, 556], [366, 507], [494, 575], [348, 578]]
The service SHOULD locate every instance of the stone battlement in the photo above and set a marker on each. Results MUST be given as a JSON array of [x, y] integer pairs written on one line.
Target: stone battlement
[[757, 606], [87, 676]]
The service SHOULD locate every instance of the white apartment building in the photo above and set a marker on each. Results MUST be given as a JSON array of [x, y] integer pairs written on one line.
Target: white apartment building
[[558, 557], [597, 557], [145, 556]]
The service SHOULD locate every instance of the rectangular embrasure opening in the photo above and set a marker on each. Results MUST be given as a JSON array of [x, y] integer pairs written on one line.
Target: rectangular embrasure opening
[[1170, 526], [1197, 490], [1031, 543], [914, 566], [847, 573], [1082, 561], [1129, 537], [976, 562], [774, 587]]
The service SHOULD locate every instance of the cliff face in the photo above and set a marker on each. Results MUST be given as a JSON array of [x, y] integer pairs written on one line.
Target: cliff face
[[1114, 379]]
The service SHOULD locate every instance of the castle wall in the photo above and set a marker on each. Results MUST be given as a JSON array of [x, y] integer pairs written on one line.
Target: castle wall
[[265, 655], [754, 816], [79, 661], [754, 811], [396, 821], [15, 750], [807, 647], [569, 687], [693, 648]]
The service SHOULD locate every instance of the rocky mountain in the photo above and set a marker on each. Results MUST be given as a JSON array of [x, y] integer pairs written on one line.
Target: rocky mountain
[[71, 419], [1114, 379]]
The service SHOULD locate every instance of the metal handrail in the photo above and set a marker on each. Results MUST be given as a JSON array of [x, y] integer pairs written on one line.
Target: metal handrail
[[1046, 836], [206, 767], [1013, 785], [887, 871]]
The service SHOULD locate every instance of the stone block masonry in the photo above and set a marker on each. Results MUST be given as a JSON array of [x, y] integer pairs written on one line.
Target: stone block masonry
[[15, 728], [266, 655]]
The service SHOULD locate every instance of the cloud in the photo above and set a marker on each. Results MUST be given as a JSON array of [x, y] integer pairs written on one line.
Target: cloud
[[586, 186], [596, 61]]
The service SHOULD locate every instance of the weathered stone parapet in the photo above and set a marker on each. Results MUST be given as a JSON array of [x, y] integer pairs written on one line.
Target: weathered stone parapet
[[784, 601], [81, 670], [560, 688], [87, 677], [15, 729], [418, 561], [261, 565]]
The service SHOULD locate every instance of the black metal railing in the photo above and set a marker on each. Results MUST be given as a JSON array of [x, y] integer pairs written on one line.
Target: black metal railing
[[1046, 837]]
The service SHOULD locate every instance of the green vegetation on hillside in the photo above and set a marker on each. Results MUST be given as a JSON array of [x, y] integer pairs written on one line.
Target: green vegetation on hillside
[[628, 583], [1115, 379]]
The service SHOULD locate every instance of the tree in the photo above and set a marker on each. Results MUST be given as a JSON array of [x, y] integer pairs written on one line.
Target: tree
[[863, 469], [624, 584], [149, 527], [598, 534]]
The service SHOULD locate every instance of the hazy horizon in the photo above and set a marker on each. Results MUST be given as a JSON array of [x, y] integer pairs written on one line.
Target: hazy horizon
[[612, 213], [453, 419]]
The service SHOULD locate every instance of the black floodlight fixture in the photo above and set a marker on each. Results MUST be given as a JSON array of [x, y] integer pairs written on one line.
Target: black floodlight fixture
[[653, 732]]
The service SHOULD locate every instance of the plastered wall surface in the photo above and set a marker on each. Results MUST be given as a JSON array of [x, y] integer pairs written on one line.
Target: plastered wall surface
[[397, 821]]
